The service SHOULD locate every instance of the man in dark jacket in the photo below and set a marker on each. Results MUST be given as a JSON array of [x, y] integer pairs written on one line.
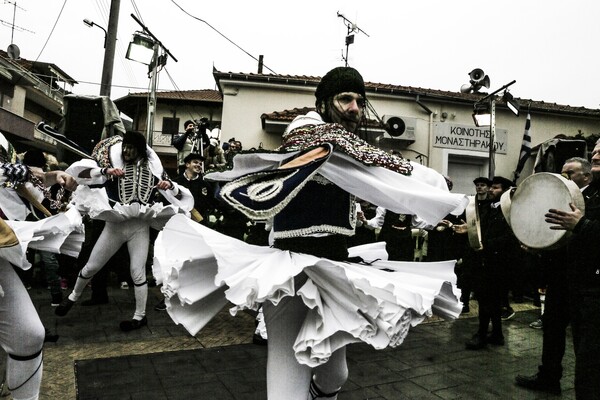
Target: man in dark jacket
[[557, 314], [490, 278], [583, 277], [202, 191]]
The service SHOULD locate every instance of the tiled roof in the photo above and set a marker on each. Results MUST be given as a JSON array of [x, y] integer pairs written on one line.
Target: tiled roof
[[286, 115], [39, 67], [196, 95], [312, 81]]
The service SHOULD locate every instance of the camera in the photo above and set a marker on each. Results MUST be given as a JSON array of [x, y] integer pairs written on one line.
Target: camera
[[201, 125]]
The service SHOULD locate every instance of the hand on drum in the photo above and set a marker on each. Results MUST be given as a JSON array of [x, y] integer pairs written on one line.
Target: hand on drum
[[460, 228], [564, 220]]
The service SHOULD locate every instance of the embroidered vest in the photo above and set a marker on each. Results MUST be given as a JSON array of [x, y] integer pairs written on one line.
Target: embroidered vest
[[320, 207], [137, 186]]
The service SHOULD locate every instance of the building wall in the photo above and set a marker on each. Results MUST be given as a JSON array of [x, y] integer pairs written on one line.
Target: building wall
[[17, 104], [243, 105]]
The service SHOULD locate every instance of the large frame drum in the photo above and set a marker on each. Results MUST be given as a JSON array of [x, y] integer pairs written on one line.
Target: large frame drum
[[473, 224], [531, 201]]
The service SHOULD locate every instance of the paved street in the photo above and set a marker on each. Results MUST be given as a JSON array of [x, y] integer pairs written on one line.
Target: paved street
[[93, 359]]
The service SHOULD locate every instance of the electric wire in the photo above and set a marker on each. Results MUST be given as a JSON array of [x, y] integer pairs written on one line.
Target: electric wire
[[177, 90], [137, 11], [181, 94], [18, 70], [51, 31], [102, 8], [216, 30]]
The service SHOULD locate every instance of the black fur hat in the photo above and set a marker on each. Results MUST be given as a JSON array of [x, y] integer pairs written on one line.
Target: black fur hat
[[339, 80]]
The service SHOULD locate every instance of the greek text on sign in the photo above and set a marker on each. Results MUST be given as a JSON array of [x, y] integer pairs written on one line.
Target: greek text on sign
[[466, 137]]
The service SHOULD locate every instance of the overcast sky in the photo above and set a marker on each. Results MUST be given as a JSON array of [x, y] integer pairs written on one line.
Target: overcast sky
[[550, 47]]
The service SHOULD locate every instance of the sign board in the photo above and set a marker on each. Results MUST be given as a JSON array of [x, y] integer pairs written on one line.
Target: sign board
[[465, 137]]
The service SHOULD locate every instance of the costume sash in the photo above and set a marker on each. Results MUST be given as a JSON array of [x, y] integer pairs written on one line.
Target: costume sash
[[263, 194]]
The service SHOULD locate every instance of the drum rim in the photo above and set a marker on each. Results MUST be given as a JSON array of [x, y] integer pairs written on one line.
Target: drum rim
[[577, 199]]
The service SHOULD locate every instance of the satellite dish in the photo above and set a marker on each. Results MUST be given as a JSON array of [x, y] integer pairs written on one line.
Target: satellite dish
[[13, 52]]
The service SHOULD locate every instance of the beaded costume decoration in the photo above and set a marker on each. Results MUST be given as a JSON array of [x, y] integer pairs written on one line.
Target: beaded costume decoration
[[309, 136], [101, 152]]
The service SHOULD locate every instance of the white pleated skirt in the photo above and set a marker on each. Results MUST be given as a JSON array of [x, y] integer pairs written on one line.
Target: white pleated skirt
[[62, 233], [94, 202], [201, 271]]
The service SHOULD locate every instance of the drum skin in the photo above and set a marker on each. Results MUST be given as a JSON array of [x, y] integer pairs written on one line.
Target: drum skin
[[531, 201]]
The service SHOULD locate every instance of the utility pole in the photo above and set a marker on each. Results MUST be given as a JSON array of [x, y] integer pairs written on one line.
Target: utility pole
[[152, 96], [158, 61], [109, 50]]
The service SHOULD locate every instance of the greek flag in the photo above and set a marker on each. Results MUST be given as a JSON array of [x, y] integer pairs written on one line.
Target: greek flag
[[525, 148]]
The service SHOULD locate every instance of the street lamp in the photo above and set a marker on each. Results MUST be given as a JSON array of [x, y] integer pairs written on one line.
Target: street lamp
[[511, 103], [110, 44], [481, 114], [144, 48], [484, 114], [141, 49], [92, 23]]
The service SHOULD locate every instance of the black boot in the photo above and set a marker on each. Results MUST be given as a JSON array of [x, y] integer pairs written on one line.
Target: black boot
[[133, 324], [64, 307], [497, 339], [539, 382], [314, 393], [477, 342]]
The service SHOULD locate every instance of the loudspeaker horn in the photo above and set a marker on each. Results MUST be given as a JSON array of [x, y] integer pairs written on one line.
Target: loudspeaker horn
[[485, 82], [466, 88], [477, 75]]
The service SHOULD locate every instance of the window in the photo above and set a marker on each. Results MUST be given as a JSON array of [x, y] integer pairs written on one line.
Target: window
[[170, 126]]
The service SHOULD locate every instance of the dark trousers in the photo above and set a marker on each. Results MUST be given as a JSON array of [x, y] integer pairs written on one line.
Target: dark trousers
[[490, 289], [585, 324], [556, 318], [490, 310]]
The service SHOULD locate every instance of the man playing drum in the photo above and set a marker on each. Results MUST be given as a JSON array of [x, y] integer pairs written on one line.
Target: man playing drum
[[583, 278], [557, 315]]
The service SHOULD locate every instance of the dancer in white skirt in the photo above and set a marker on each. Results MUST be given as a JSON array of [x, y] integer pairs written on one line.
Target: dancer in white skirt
[[21, 331], [132, 176], [315, 302]]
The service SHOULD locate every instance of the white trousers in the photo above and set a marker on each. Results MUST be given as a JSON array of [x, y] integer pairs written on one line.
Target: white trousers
[[21, 335], [286, 377], [134, 232]]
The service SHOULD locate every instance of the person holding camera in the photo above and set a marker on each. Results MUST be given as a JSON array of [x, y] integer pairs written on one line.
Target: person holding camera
[[193, 140]]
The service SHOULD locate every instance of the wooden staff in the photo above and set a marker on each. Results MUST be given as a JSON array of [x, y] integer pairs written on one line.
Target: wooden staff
[[23, 192]]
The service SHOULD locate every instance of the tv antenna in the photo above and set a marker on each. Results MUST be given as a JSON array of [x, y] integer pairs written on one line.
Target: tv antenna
[[13, 50], [352, 27]]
